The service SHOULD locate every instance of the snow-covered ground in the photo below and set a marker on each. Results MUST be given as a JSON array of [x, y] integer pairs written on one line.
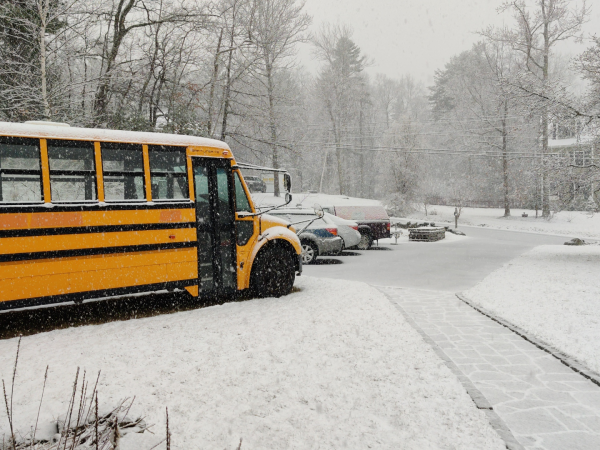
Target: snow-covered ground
[[568, 223], [552, 292], [332, 365]]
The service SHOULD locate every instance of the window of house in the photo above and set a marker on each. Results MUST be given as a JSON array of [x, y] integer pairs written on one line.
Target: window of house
[[20, 170], [123, 171], [72, 170], [168, 172]]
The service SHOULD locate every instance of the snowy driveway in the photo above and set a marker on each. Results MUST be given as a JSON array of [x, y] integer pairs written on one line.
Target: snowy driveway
[[544, 403], [455, 264]]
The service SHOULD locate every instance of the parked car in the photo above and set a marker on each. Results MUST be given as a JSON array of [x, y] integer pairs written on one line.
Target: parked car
[[373, 222], [255, 184], [347, 230], [320, 238]]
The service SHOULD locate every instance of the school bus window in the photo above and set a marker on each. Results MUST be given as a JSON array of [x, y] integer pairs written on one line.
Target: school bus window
[[244, 228], [202, 194], [123, 171], [224, 210], [168, 172], [241, 200], [20, 172], [72, 171]]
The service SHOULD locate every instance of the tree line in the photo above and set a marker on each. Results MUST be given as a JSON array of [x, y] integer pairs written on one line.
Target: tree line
[[228, 69]]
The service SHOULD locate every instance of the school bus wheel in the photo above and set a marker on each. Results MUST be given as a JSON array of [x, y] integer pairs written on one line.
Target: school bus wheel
[[274, 271]]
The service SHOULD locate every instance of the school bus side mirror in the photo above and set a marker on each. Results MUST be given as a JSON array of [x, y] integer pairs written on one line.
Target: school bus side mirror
[[287, 182], [288, 198]]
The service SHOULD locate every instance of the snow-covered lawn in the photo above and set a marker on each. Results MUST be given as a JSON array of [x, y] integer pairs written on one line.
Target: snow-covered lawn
[[568, 223], [332, 365], [553, 292]]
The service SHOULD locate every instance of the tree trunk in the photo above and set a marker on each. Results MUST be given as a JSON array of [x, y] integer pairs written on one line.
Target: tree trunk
[[323, 171], [505, 162], [119, 33], [272, 125], [338, 154], [43, 8], [151, 70], [213, 82], [226, 94], [361, 158], [338, 150], [545, 183]]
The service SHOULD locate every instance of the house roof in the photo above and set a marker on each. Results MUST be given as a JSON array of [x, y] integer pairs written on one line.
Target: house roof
[[571, 142]]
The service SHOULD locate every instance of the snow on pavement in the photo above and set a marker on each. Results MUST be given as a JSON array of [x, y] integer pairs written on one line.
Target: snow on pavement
[[332, 365], [553, 293]]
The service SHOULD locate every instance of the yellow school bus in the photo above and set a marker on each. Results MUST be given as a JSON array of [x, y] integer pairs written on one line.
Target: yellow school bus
[[90, 213]]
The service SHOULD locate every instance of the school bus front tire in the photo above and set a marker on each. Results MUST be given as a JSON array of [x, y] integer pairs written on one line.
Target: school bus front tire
[[274, 272]]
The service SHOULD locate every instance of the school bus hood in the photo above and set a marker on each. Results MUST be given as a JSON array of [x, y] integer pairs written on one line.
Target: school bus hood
[[269, 221]]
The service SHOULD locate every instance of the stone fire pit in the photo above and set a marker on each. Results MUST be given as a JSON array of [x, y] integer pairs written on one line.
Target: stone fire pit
[[426, 234]]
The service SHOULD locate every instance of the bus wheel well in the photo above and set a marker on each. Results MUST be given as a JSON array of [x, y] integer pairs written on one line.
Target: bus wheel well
[[282, 244]]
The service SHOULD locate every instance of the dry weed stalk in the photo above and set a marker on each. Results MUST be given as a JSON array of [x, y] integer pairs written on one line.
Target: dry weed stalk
[[9, 409], [82, 426]]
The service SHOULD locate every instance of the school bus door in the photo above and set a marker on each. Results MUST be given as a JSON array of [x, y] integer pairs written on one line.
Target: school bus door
[[215, 223]]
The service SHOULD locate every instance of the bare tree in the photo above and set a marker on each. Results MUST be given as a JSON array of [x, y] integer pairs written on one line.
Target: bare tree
[[125, 16], [540, 26], [277, 27]]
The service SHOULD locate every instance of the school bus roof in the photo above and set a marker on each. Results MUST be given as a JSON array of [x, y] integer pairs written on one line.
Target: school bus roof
[[54, 131]]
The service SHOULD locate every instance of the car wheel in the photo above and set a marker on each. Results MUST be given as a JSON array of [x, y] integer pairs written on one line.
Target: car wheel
[[365, 241], [274, 272], [309, 252]]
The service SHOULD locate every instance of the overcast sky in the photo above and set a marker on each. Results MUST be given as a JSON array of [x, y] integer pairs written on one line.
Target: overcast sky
[[415, 36]]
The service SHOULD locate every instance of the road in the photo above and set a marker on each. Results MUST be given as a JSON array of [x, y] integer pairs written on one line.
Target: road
[[455, 264]]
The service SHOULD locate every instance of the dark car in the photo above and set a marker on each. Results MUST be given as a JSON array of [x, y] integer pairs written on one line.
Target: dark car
[[255, 184], [373, 222]]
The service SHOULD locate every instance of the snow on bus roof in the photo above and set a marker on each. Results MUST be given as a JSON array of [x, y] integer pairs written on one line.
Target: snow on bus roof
[[55, 131]]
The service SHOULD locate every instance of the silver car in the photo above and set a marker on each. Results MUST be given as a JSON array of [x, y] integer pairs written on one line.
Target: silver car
[[347, 230], [319, 238]]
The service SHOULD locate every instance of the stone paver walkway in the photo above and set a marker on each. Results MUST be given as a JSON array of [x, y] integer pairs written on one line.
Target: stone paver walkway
[[545, 404]]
